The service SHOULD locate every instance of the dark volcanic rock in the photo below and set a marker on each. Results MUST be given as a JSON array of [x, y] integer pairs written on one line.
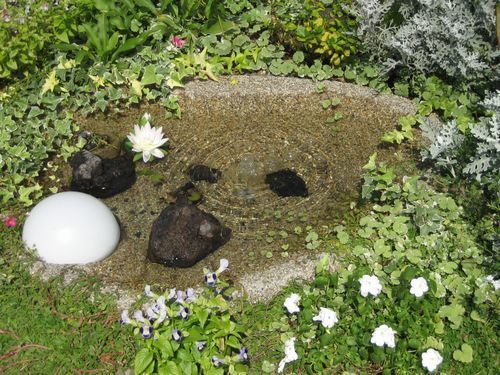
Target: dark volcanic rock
[[99, 177], [203, 173], [183, 235], [286, 183], [187, 193]]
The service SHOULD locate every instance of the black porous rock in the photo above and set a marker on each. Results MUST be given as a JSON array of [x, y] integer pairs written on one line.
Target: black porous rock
[[183, 235], [203, 173], [100, 177], [286, 183]]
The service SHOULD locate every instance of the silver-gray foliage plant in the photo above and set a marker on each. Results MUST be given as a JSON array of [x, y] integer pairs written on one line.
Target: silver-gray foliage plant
[[446, 140], [449, 35]]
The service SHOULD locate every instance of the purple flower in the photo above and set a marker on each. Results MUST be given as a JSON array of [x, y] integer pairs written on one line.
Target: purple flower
[[146, 331], [177, 335], [191, 297], [124, 319], [184, 312], [243, 354], [181, 295], [6, 16], [171, 294], [138, 316], [211, 279], [200, 345], [216, 361], [148, 292]]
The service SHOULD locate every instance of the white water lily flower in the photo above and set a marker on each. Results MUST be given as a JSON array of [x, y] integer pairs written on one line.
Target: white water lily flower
[[327, 317], [370, 285], [290, 354], [147, 140], [418, 287], [384, 335], [292, 303], [147, 117], [431, 359]]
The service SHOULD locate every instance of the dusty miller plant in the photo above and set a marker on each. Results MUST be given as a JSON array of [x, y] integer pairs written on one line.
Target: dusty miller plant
[[454, 37], [446, 142]]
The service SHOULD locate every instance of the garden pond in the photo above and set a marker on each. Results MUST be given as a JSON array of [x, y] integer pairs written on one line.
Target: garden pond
[[247, 127]]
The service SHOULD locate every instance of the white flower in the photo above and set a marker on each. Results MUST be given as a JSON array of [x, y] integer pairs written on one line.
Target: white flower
[[370, 285], [495, 283], [418, 287], [290, 354], [147, 117], [292, 303], [147, 140], [384, 335], [431, 359], [327, 317], [224, 263]]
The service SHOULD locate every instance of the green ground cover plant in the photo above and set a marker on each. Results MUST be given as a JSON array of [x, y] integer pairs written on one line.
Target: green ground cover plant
[[48, 327], [107, 56], [411, 232]]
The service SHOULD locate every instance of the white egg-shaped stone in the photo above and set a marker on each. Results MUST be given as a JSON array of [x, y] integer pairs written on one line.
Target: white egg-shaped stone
[[71, 228]]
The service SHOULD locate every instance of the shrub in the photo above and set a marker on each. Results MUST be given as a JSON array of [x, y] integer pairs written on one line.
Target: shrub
[[411, 264], [451, 37], [320, 28], [481, 158], [28, 29]]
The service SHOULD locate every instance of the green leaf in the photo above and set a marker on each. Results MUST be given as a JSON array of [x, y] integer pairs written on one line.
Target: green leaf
[[149, 77], [170, 368], [298, 57], [202, 315], [143, 359], [464, 355], [371, 163], [454, 313]]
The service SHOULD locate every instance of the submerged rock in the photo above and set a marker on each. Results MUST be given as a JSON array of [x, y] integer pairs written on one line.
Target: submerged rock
[[183, 235], [286, 183], [100, 177], [203, 173], [187, 193]]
